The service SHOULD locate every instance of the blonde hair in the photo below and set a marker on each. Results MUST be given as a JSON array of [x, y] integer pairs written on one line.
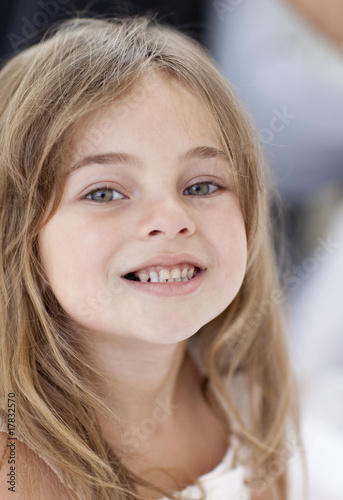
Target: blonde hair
[[45, 90]]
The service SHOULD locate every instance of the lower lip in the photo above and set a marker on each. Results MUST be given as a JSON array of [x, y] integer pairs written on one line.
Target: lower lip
[[169, 289]]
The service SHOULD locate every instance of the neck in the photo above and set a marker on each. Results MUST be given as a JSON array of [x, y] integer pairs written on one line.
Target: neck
[[145, 385]]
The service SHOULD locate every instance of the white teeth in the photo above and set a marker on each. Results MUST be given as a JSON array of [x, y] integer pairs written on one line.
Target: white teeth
[[143, 277], [164, 274], [184, 273], [175, 273], [153, 277], [190, 274]]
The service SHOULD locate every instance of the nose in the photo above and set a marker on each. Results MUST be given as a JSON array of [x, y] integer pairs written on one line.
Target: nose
[[166, 218]]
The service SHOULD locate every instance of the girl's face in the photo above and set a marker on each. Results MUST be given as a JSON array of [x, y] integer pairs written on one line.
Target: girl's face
[[149, 196]]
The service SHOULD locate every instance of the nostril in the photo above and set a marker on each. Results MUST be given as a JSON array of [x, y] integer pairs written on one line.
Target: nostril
[[157, 231]]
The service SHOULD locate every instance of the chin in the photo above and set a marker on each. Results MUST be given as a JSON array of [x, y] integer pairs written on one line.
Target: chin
[[160, 332]]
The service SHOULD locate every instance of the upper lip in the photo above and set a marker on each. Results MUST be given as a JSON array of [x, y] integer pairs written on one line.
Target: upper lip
[[167, 260]]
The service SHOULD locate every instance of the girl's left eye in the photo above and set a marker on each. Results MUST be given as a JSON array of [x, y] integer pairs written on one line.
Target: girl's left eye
[[202, 188], [104, 194]]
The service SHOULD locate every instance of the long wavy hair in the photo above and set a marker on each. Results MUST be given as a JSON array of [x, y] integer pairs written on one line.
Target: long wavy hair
[[45, 90]]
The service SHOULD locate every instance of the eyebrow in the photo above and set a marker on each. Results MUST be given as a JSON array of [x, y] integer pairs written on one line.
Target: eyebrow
[[112, 158], [204, 152]]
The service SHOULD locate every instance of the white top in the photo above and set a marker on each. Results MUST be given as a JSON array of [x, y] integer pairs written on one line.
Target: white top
[[222, 483]]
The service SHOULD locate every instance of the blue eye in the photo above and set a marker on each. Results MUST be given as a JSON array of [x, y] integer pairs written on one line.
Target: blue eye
[[104, 195], [202, 188]]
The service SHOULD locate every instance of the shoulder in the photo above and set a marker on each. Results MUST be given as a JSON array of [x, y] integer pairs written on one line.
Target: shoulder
[[24, 475]]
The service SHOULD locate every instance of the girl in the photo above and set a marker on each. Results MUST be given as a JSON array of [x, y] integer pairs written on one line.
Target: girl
[[142, 346]]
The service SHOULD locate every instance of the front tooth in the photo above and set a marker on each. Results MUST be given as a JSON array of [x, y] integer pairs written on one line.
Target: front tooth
[[184, 273], [153, 277], [190, 274], [164, 274], [143, 277], [175, 273]]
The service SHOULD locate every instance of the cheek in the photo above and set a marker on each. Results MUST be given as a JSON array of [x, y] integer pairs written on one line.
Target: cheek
[[229, 240], [73, 256]]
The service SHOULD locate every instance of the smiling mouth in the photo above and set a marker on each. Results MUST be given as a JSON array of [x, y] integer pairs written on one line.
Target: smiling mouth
[[162, 274]]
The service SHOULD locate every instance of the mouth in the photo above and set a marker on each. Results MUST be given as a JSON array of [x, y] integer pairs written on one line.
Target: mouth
[[164, 274]]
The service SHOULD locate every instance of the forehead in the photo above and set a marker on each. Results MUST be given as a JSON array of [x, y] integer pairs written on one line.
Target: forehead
[[159, 107]]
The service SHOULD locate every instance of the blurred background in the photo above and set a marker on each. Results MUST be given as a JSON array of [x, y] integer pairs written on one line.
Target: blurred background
[[285, 61]]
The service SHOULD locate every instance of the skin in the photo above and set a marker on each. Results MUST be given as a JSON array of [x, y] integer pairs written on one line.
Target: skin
[[327, 15], [135, 338]]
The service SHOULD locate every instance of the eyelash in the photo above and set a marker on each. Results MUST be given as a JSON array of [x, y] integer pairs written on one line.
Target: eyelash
[[212, 182], [102, 188]]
